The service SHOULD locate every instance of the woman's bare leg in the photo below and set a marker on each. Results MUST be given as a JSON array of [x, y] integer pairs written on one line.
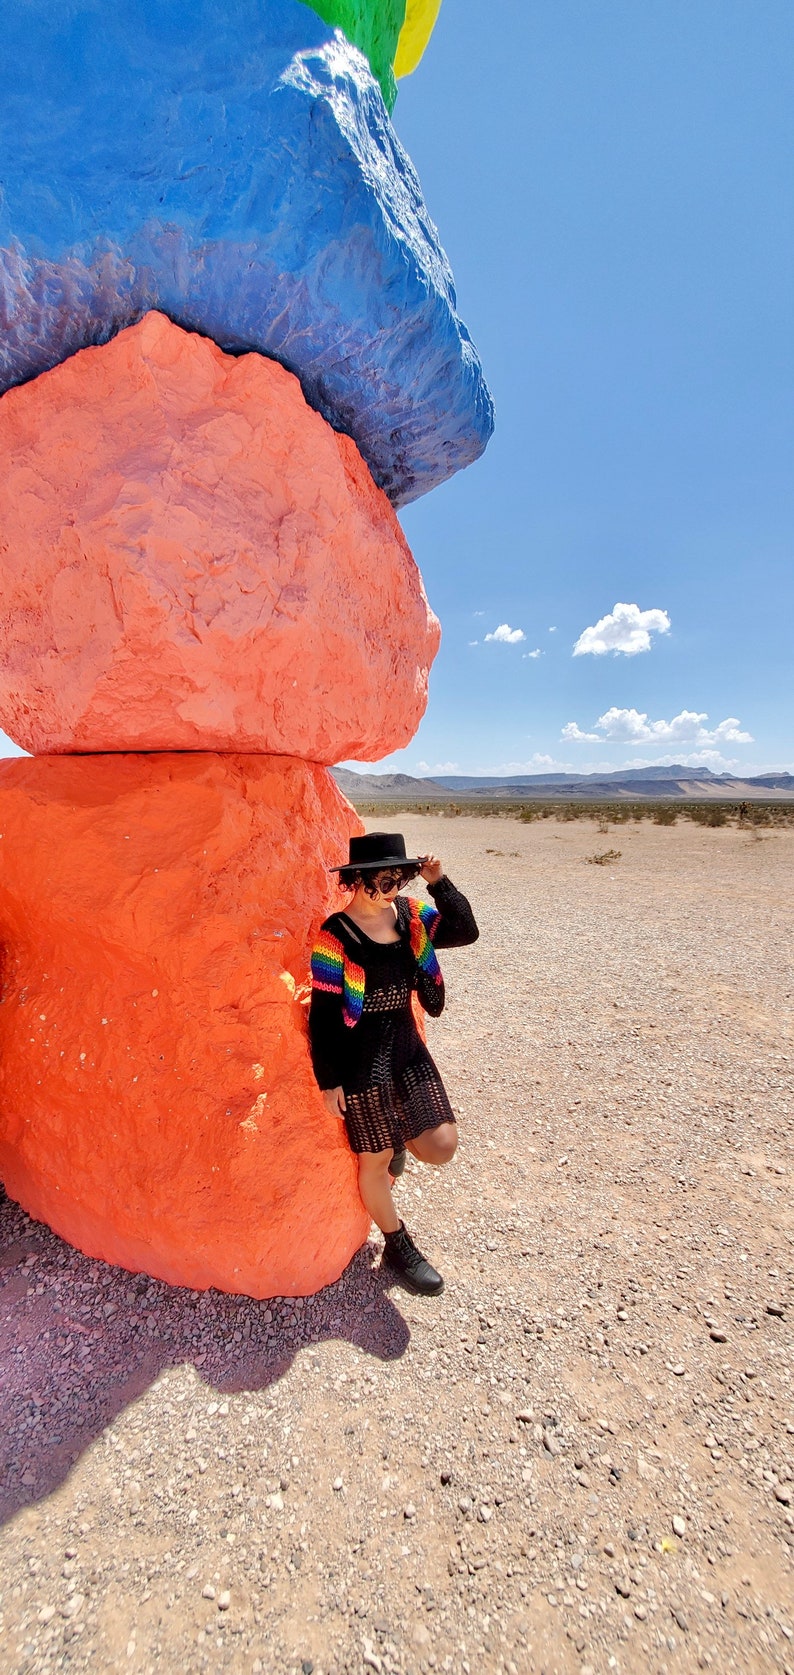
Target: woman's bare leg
[[436, 1145], [374, 1184]]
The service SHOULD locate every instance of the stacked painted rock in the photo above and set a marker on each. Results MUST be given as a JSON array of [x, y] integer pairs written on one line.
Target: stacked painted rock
[[230, 348]]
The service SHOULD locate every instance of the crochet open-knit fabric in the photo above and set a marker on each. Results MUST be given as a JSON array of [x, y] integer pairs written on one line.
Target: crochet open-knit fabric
[[362, 1029]]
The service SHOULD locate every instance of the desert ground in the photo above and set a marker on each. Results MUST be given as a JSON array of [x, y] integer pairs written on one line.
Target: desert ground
[[579, 1458]]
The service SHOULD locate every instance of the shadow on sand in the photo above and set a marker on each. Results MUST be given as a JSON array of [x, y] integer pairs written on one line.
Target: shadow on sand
[[80, 1341]]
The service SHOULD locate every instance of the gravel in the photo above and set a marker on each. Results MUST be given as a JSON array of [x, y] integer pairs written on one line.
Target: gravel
[[580, 1456]]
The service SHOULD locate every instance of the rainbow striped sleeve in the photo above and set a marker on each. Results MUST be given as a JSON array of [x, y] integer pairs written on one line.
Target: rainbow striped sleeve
[[328, 964], [424, 919], [429, 916], [335, 974], [354, 993]]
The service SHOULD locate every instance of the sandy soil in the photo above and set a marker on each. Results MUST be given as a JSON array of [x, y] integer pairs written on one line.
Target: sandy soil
[[580, 1457]]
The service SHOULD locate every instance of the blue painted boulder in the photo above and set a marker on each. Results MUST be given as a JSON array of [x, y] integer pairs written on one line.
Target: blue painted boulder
[[235, 168]]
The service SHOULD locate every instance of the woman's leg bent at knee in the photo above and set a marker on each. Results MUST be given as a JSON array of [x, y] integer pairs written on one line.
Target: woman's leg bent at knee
[[436, 1145]]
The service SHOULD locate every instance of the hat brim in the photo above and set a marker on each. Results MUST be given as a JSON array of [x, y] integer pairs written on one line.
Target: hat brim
[[379, 866]]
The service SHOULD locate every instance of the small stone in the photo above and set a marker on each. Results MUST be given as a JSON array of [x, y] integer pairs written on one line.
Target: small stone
[[775, 1309], [679, 1525], [609, 1549], [208, 1592], [485, 1514], [338, 1485], [550, 1443], [623, 1588], [73, 1605], [224, 1600], [307, 1667], [525, 1416], [409, 1511], [46, 1614], [678, 1370], [783, 1494], [640, 1612], [717, 1335], [464, 1504], [446, 1477], [680, 1619]]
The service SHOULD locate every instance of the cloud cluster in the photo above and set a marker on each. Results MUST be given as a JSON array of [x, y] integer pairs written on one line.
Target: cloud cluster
[[626, 630], [506, 635], [425, 769], [633, 727]]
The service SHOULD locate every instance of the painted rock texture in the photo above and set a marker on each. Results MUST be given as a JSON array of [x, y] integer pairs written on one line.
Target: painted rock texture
[[192, 559], [157, 1105], [257, 195], [391, 34], [374, 27], [418, 25]]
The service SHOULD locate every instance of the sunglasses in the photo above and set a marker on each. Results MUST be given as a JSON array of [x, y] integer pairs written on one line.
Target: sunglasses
[[392, 879]]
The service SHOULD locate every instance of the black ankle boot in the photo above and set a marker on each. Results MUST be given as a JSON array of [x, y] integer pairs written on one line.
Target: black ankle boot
[[397, 1165], [413, 1268]]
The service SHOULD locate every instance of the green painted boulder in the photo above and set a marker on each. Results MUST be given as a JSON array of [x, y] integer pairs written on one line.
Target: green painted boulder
[[374, 27]]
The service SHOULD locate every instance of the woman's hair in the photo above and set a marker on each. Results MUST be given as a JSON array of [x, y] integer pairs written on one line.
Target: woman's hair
[[350, 878]]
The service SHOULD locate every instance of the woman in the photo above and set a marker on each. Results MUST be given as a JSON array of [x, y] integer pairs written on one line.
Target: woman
[[368, 1056]]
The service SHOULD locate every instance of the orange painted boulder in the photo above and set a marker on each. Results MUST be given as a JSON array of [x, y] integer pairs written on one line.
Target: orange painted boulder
[[192, 559], [157, 1105]]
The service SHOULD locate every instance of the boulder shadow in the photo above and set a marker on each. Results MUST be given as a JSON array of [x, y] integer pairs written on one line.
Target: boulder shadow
[[80, 1341]]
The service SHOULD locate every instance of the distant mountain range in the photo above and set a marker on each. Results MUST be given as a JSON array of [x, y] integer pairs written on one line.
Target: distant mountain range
[[660, 780]]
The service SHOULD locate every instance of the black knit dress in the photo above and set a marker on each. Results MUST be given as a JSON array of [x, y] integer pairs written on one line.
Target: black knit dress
[[393, 1090]]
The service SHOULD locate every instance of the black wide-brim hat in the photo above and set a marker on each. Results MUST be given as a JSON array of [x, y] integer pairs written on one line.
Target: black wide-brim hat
[[376, 850]]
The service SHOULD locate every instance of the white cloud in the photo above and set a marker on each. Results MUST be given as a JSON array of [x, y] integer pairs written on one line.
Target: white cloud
[[625, 630], [572, 731], [506, 635], [536, 653], [633, 727], [438, 768], [552, 630], [474, 642]]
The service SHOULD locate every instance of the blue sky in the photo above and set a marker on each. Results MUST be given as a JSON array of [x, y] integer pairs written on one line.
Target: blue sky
[[613, 184]]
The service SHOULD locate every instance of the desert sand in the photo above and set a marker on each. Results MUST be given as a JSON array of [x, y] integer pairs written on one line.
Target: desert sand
[[579, 1458]]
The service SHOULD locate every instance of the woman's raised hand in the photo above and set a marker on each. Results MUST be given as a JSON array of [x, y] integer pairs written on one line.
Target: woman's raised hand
[[432, 870], [335, 1101]]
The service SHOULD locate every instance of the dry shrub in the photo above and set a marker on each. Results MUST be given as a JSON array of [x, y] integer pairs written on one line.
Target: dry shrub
[[605, 859]]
